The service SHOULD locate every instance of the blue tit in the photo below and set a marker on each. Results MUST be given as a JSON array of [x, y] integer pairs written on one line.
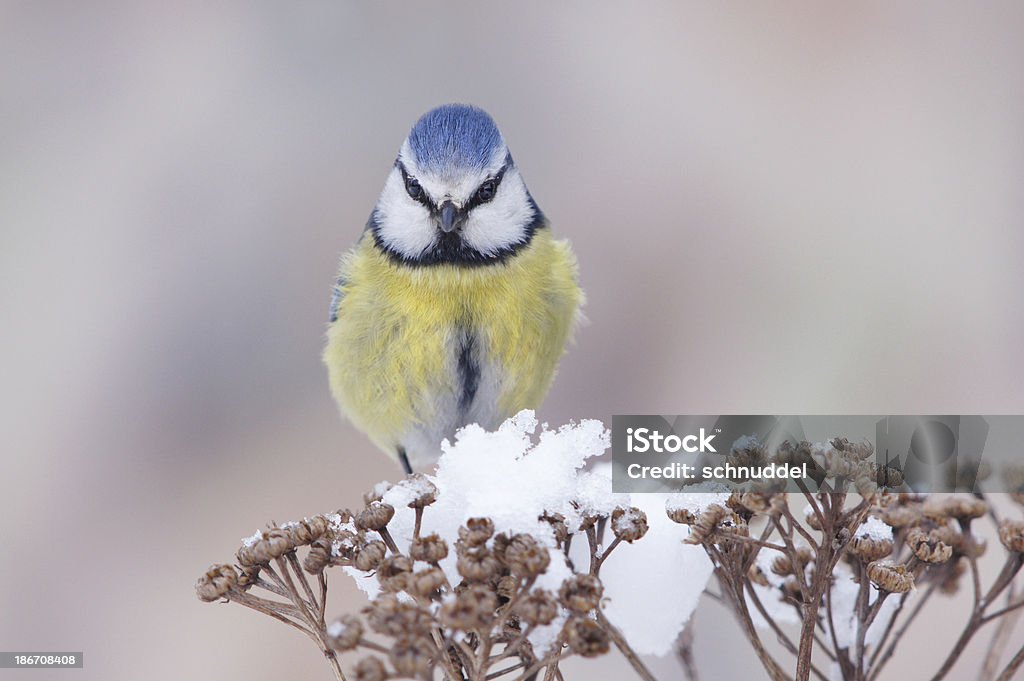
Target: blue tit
[[456, 304]]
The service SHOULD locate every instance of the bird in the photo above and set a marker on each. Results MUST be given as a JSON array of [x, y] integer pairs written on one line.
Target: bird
[[456, 304]]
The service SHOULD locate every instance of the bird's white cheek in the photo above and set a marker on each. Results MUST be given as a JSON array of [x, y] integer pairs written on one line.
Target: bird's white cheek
[[501, 223], [404, 225]]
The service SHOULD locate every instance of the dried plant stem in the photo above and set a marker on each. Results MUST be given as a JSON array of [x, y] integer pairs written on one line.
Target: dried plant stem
[[684, 651], [1013, 666], [977, 618], [1002, 634]]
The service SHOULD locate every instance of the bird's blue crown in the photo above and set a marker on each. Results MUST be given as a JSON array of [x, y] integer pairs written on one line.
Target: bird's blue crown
[[455, 136]]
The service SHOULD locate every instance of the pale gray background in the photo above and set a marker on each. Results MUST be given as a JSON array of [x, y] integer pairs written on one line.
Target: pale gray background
[[778, 208]]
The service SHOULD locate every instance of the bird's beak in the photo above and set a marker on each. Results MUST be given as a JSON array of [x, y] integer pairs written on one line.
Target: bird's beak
[[449, 215]]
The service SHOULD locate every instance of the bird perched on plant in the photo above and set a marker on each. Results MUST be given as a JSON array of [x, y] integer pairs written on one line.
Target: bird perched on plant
[[457, 302]]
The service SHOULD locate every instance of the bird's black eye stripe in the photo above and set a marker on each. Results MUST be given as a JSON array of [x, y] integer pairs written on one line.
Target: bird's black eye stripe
[[487, 189], [413, 187]]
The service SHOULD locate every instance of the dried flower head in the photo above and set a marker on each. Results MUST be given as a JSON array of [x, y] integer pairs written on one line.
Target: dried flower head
[[557, 522], [629, 524], [472, 608], [1011, 534], [345, 632], [429, 549], [394, 573], [371, 669], [217, 581], [476, 531], [537, 608], [477, 564], [370, 555], [960, 506], [928, 547], [375, 516], [585, 637], [424, 489], [526, 557], [265, 546], [892, 577], [680, 514], [581, 593], [410, 656], [426, 583], [389, 616]]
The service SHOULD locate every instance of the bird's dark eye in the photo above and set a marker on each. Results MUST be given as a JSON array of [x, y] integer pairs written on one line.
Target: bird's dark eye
[[413, 187], [487, 190]]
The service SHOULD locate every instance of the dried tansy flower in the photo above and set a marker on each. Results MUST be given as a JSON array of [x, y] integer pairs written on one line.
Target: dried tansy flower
[[526, 557], [391, 617], [394, 573], [375, 516], [928, 547], [1011, 534], [345, 632], [429, 549], [427, 582], [891, 577], [581, 593], [537, 608], [410, 656], [370, 556], [472, 608], [476, 531], [371, 669], [585, 637], [217, 581], [477, 564], [629, 524]]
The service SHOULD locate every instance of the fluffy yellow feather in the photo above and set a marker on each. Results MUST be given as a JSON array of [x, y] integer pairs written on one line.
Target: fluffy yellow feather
[[391, 350]]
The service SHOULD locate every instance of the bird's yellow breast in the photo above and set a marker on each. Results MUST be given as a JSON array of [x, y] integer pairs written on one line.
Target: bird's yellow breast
[[392, 353]]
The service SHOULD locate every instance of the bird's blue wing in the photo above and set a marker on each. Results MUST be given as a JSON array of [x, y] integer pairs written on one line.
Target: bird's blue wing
[[337, 294]]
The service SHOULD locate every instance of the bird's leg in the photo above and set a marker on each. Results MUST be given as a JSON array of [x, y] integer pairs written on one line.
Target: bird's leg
[[404, 460]]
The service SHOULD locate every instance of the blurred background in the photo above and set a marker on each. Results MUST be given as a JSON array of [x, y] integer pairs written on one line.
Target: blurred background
[[786, 208]]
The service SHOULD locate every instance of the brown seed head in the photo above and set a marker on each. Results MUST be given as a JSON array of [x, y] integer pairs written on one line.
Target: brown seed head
[[585, 637], [389, 616], [429, 549], [426, 583], [960, 506], [345, 632], [394, 573], [557, 522], [538, 608], [370, 669], [892, 577], [526, 557], [870, 549], [217, 581], [375, 516], [425, 490], [477, 531], [370, 555], [629, 524], [581, 593], [306, 530], [1011, 534], [477, 564], [472, 609], [319, 556], [928, 547], [410, 656]]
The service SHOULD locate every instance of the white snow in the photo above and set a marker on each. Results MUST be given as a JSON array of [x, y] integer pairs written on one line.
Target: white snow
[[874, 528], [516, 474]]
